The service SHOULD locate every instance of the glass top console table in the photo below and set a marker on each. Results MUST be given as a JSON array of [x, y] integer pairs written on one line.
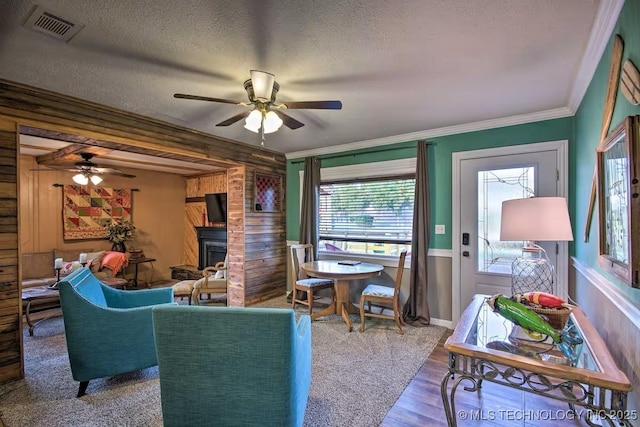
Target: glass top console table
[[486, 346]]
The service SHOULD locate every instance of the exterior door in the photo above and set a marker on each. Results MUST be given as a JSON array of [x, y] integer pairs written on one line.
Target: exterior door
[[484, 183]]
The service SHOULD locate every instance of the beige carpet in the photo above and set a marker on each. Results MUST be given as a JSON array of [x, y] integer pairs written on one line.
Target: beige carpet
[[356, 379]]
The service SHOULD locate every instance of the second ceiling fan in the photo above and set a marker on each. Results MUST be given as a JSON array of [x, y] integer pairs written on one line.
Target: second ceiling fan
[[267, 115]]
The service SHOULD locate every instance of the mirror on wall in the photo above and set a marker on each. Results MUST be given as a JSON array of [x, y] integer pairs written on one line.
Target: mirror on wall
[[619, 204]]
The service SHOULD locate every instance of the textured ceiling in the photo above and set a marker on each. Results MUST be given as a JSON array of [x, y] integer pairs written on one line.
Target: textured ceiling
[[399, 67]]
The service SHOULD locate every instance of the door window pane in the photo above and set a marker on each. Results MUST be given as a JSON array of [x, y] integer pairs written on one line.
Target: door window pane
[[495, 186]]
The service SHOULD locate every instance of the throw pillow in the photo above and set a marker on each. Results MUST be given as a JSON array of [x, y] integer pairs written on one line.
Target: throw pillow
[[94, 259], [68, 267], [219, 275]]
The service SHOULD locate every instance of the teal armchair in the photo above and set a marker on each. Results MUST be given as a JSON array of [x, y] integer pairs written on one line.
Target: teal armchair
[[232, 366], [108, 331]]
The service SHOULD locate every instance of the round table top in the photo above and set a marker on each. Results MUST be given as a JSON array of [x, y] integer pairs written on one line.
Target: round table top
[[331, 269]]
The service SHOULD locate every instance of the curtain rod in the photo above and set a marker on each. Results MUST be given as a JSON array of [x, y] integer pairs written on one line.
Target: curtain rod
[[381, 150]]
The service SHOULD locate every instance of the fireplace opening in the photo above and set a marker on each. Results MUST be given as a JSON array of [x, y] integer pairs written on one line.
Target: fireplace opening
[[212, 245]]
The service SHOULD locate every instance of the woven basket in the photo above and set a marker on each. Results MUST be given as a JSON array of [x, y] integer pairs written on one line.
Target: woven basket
[[556, 317]]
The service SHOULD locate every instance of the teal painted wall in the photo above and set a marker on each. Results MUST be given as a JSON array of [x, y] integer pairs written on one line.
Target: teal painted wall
[[588, 123], [440, 155]]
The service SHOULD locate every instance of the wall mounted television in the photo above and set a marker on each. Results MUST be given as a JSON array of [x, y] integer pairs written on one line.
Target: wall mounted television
[[216, 207]]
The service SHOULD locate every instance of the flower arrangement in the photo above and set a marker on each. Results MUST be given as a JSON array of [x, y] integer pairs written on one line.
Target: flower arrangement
[[120, 231]]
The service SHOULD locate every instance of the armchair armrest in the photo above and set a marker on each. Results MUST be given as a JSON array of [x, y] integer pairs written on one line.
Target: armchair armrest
[[117, 298], [302, 363], [303, 328]]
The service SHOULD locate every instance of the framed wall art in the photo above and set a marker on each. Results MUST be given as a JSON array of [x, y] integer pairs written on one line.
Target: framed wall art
[[268, 192], [618, 161]]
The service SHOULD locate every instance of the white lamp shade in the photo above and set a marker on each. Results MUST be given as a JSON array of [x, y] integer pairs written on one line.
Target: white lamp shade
[[536, 219], [253, 121], [271, 122], [262, 83], [80, 179], [95, 179]]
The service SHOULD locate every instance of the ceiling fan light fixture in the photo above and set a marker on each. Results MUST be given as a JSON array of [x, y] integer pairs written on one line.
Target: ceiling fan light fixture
[[262, 83], [271, 122], [80, 179], [253, 121], [95, 179]]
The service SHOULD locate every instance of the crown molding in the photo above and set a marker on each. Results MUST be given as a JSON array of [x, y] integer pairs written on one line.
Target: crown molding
[[555, 113], [603, 25]]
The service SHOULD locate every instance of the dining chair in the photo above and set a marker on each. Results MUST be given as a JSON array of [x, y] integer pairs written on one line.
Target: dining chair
[[384, 298], [301, 282]]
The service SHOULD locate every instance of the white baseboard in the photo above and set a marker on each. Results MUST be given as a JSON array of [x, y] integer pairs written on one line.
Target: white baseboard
[[439, 322]]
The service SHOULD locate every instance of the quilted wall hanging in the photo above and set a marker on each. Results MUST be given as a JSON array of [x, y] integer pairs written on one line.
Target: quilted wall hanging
[[86, 210]]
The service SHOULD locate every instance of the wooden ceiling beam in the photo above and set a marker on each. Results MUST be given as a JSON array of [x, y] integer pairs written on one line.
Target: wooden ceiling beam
[[62, 154]]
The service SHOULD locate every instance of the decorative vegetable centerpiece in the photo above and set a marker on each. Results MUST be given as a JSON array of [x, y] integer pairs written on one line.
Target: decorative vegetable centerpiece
[[542, 299], [522, 316], [553, 308]]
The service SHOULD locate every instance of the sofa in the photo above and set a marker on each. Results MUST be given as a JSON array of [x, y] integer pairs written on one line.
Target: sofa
[[37, 271]]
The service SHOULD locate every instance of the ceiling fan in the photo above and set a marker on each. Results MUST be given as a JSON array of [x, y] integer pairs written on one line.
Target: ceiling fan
[[86, 170], [267, 115]]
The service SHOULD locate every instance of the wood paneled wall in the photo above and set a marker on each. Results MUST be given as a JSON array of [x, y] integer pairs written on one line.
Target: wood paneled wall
[[256, 264], [197, 187], [11, 362], [265, 245]]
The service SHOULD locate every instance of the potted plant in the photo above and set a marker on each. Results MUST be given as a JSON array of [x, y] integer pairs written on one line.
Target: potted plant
[[119, 232]]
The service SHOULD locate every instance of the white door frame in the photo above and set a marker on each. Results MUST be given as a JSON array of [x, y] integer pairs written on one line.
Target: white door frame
[[562, 269]]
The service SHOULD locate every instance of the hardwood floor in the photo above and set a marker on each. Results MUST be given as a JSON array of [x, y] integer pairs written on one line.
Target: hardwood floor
[[420, 405]]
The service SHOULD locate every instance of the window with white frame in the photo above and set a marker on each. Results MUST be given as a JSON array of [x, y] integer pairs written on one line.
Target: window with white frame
[[367, 209]]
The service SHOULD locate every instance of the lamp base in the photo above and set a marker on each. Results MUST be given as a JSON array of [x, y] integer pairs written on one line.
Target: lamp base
[[531, 275]]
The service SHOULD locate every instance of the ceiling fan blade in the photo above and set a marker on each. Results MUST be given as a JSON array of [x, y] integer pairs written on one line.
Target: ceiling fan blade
[[51, 168], [289, 121], [234, 119], [205, 98], [317, 105]]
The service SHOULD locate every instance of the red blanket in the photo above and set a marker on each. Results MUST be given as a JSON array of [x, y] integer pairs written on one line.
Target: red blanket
[[114, 261]]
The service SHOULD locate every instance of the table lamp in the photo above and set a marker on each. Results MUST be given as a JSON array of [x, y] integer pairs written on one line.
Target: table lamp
[[534, 219]]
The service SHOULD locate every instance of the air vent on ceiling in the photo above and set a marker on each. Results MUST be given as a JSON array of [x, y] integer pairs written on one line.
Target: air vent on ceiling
[[52, 24]]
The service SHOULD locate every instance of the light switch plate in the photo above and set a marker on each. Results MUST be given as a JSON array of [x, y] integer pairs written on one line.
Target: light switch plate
[[440, 229]]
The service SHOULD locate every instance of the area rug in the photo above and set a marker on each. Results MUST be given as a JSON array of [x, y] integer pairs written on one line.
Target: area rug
[[356, 379]]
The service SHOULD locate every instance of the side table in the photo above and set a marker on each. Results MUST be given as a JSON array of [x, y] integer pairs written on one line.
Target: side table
[[135, 262], [594, 382]]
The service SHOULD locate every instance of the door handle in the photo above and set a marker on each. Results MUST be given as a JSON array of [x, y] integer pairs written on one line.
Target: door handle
[[465, 239]]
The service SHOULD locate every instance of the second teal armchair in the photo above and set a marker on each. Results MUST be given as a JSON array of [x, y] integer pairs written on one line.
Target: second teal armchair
[[232, 366], [108, 331]]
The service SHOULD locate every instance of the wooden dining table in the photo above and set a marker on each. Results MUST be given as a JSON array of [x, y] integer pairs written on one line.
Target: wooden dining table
[[341, 274]]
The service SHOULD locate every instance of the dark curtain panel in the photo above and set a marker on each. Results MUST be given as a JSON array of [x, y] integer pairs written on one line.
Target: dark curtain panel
[[310, 200], [416, 309]]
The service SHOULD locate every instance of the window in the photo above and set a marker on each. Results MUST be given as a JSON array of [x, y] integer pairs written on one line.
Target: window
[[367, 216]]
